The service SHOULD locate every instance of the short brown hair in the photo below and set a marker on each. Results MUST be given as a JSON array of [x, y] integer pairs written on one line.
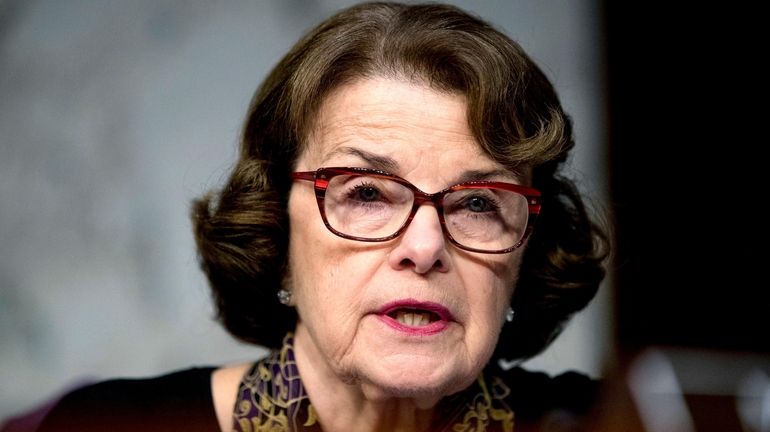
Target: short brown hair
[[513, 112]]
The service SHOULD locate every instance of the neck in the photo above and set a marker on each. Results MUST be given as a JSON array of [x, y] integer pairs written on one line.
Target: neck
[[357, 405]]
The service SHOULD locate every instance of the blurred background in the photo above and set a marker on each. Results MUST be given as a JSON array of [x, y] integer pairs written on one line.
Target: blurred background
[[114, 115], [687, 114]]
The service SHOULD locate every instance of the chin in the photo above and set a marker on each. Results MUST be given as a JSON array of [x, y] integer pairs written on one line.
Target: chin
[[426, 381]]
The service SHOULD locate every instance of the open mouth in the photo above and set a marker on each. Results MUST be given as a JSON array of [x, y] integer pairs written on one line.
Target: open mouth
[[414, 317]]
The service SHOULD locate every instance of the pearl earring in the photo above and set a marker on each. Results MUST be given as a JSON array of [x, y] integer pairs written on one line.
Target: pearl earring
[[509, 314]]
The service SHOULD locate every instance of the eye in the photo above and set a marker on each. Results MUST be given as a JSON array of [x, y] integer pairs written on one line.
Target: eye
[[365, 193], [479, 204]]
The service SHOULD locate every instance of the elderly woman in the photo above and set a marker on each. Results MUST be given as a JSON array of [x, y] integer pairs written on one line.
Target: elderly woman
[[394, 225]]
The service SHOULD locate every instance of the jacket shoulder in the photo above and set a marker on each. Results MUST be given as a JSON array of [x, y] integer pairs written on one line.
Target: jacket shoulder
[[180, 400], [534, 395]]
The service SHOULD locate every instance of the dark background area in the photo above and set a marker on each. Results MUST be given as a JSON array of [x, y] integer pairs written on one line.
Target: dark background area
[[688, 183]]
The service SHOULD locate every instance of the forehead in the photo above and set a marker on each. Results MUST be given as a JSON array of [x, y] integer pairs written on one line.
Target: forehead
[[408, 125]]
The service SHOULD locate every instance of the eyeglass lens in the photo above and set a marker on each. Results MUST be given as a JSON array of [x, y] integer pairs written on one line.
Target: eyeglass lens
[[373, 207]]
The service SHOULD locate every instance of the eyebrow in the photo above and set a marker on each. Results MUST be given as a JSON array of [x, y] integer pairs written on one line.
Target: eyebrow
[[388, 164], [383, 163], [480, 175]]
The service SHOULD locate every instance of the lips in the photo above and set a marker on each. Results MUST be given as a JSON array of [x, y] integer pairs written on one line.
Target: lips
[[415, 317]]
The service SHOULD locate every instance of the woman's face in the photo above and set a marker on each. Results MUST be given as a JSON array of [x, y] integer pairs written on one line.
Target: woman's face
[[349, 293]]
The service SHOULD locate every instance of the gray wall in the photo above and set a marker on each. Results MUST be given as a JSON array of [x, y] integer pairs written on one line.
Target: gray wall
[[114, 115]]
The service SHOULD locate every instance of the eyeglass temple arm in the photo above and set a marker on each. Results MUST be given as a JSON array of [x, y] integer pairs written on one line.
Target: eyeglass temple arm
[[305, 175]]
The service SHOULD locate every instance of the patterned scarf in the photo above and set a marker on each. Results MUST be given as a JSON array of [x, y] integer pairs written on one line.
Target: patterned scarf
[[271, 398]]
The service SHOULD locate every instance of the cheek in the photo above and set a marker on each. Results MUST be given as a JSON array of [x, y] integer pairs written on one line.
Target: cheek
[[320, 263], [490, 286], [308, 261], [321, 267], [330, 295], [326, 275]]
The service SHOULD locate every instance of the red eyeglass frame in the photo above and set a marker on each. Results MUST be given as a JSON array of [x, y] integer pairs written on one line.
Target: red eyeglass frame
[[321, 177]]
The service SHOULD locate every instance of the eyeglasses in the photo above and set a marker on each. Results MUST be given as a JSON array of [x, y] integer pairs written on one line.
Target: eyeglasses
[[374, 206]]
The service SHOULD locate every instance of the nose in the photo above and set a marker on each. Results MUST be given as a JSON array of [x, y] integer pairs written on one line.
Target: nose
[[422, 247]]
